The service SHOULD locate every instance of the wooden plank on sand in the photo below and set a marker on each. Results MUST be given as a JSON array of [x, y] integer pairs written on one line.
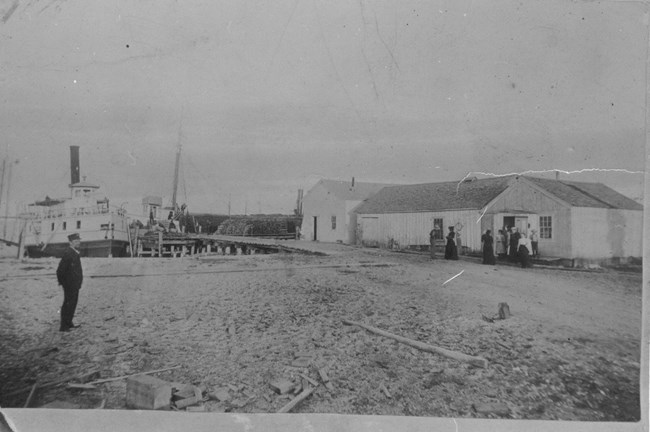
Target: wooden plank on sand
[[475, 361]]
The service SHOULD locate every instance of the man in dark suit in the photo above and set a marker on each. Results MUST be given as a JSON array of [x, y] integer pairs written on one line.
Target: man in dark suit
[[70, 277]]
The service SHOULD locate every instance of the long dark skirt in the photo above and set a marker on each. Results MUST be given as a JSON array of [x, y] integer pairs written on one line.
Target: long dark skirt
[[524, 256], [451, 252], [512, 250], [488, 254]]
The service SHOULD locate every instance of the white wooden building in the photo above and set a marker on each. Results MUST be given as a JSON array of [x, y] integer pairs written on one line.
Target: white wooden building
[[327, 207], [587, 222]]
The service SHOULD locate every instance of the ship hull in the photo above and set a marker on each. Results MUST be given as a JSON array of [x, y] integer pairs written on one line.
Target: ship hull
[[97, 249]]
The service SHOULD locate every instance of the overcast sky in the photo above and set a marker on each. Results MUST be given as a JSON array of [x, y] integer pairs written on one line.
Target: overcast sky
[[269, 96]]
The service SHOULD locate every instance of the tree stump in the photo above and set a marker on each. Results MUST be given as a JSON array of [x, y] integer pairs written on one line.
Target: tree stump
[[504, 311]]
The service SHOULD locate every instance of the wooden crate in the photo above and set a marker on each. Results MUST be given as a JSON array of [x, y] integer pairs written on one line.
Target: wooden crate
[[147, 392]]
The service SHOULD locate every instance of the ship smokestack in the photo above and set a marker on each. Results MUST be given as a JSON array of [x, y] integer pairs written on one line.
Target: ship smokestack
[[74, 164]]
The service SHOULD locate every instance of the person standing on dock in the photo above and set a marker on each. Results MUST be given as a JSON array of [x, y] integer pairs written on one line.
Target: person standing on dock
[[70, 276]]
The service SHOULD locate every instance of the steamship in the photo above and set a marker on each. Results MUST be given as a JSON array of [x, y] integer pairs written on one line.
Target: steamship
[[104, 230]]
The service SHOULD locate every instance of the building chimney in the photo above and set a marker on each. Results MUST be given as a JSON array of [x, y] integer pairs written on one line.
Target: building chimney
[[352, 181], [74, 164]]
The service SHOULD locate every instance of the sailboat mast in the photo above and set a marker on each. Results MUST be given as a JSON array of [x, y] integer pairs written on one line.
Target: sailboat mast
[[178, 162], [4, 228], [2, 179]]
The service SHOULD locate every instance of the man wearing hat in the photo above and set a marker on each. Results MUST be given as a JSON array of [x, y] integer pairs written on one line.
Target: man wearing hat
[[70, 277]]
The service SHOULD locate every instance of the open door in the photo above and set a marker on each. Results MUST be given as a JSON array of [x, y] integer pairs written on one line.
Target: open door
[[521, 222]]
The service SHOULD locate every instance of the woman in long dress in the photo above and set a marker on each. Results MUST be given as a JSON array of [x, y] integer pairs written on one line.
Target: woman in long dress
[[488, 248], [500, 244], [451, 252], [514, 244], [524, 248]]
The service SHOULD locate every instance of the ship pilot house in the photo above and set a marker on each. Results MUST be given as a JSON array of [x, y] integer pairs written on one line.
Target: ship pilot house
[[103, 231]]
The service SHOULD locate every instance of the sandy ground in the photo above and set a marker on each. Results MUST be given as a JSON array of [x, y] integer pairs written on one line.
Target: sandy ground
[[570, 350]]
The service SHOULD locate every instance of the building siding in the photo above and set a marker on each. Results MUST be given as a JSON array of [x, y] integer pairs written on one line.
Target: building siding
[[605, 234], [403, 230], [323, 204]]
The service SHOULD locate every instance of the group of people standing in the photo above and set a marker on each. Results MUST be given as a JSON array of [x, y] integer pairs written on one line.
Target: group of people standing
[[510, 243], [516, 246], [451, 249]]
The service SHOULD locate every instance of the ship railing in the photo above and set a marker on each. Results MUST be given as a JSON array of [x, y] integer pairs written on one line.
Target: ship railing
[[69, 212]]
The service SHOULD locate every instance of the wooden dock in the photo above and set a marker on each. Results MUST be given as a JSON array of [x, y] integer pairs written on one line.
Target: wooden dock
[[159, 244]]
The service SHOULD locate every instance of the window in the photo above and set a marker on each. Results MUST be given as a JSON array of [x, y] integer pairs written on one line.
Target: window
[[78, 224], [545, 227], [333, 222], [52, 226], [65, 225], [437, 227]]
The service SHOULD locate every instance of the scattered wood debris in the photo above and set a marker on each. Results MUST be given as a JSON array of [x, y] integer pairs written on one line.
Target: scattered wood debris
[[503, 312], [31, 395], [61, 405], [221, 394], [55, 382], [184, 403], [326, 379], [100, 381], [282, 386], [81, 386], [195, 408], [185, 395], [311, 381], [295, 401], [301, 362], [497, 408], [475, 361]]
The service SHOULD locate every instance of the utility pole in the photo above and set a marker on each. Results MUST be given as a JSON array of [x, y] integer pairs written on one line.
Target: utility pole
[[229, 196]]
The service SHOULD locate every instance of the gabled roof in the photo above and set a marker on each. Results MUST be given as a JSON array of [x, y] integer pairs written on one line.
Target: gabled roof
[[344, 190], [477, 193], [582, 194], [471, 194]]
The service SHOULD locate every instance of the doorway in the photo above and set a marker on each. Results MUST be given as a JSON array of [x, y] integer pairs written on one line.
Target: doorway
[[508, 221], [519, 222], [315, 228]]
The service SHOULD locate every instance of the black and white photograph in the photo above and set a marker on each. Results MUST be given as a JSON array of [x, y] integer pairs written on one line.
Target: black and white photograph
[[323, 215]]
